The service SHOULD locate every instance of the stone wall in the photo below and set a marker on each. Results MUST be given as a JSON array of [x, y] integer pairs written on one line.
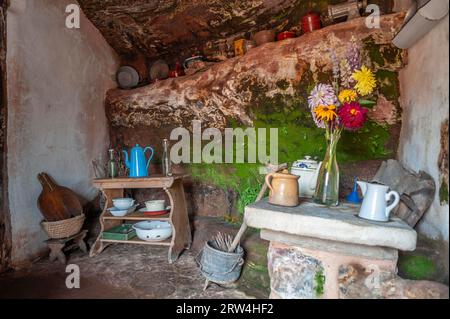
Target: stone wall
[[424, 137], [5, 239], [57, 79], [175, 30], [268, 87]]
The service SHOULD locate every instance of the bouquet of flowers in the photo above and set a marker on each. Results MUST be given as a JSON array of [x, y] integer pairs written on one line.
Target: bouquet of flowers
[[336, 107]]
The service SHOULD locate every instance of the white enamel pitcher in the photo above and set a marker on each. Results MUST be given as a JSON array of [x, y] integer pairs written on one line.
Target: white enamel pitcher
[[375, 203]]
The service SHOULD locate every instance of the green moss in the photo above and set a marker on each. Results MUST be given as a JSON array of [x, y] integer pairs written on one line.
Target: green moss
[[319, 280], [443, 192], [384, 56], [388, 85], [416, 267], [373, 51], [297, 137]]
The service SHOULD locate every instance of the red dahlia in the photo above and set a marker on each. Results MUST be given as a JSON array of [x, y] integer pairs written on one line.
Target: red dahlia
[[352, 115]]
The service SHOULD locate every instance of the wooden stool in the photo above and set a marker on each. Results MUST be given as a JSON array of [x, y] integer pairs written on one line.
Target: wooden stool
[[58, 246]]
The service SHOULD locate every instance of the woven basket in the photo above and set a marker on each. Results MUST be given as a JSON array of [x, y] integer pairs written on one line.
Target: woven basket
[[63, 228]]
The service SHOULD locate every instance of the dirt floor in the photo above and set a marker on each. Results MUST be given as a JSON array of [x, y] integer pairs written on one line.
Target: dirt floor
[[139, 271]]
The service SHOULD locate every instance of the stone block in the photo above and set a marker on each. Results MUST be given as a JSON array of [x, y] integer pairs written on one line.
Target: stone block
[[358, 282], [339, 224], [293, 274]]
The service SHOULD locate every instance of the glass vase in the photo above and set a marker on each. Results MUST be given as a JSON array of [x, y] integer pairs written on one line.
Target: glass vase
[[327, 188]]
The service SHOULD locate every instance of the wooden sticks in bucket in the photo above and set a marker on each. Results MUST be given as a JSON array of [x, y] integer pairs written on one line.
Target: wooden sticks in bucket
[[223, 242]]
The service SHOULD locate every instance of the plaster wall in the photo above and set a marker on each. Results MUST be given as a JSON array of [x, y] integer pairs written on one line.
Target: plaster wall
[[57, 79], [425, 93]]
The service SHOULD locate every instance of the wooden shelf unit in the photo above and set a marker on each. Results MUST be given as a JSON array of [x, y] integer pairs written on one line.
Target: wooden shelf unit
[[178, 217]]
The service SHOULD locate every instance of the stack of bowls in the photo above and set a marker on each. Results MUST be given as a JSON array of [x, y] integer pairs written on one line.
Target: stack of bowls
[[121, 206]]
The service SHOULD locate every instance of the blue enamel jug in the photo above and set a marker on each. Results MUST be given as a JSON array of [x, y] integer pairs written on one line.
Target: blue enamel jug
[[136, 162]]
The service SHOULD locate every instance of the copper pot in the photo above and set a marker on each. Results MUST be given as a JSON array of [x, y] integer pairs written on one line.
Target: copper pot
[[264, 36], [283, 189]]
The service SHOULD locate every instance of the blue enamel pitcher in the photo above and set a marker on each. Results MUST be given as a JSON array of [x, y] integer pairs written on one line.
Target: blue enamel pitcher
[[136, 163]]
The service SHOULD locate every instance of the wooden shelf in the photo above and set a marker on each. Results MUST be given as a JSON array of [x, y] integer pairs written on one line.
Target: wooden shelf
[[178, 217], [136, 240], [155, 181], [137, 216]]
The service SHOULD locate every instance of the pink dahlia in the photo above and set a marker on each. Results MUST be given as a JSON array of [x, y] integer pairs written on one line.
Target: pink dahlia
[[352, 115]]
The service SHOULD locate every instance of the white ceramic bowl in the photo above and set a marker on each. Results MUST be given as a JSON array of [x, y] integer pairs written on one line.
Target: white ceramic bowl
[[153, 230], [121, 212], [118, 212], [155, 205], [123, 203]]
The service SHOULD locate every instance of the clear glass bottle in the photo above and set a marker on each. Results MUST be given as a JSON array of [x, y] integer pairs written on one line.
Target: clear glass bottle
[[166, 162], [327, 189], [112, 165]]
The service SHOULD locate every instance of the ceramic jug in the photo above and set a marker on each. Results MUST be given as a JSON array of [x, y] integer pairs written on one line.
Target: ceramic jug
[[308, 171], [375, 203], [283, 189], [136, 162]]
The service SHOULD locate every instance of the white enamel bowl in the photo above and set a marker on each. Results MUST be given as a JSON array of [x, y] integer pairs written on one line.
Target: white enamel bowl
[[123, 203], [155, 205], [118, 212], [153, 230]]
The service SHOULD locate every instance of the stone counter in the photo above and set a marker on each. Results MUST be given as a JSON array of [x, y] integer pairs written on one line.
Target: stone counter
[[340, 224], [323, 252]]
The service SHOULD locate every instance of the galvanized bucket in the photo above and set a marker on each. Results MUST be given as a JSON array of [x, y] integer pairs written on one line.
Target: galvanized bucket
[[219, 266]]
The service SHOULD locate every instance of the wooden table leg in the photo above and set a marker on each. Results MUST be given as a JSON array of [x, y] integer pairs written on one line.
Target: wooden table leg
[[109, 194], [181, 237]]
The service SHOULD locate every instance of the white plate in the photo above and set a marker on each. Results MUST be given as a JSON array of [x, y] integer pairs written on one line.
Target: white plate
[[144, 209], [127, 77]]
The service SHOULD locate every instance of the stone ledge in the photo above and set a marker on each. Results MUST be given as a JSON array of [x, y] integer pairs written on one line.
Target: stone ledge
[[337, 224], [346, 249], [219, 93]]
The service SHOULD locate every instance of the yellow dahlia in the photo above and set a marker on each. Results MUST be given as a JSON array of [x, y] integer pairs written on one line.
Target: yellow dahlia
[[347, 96], [365, 81], [326, 113]]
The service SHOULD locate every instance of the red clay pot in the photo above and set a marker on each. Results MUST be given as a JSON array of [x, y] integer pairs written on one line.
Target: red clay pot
[[311, 22], [285, 35]]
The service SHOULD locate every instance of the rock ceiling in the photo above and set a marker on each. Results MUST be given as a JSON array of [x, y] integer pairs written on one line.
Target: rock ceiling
[[177, 29]]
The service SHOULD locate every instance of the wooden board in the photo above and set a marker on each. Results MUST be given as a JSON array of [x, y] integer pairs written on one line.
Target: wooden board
[[109, 194], [181, 237], [137, 216], [138, 241], [157, 181]]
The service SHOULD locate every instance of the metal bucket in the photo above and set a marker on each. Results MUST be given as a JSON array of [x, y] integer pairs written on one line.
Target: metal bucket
[[219, 266]]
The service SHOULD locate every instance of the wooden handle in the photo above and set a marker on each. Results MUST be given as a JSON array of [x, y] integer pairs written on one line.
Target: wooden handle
[[45, 182]]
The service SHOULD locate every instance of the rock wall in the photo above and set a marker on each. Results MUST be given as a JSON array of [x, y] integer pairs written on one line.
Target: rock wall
[[424, 137], [176, 30], [5, 236], [268, 87], [57, 80]]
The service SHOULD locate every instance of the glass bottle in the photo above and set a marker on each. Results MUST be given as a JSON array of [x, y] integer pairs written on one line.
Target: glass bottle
[[166, 162], [327, 189], [112, 165]]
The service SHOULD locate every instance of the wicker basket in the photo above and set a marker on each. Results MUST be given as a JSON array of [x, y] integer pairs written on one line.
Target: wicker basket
[[63, 228]]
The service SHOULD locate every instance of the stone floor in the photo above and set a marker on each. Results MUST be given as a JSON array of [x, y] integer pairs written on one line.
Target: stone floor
[[140, 271]]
